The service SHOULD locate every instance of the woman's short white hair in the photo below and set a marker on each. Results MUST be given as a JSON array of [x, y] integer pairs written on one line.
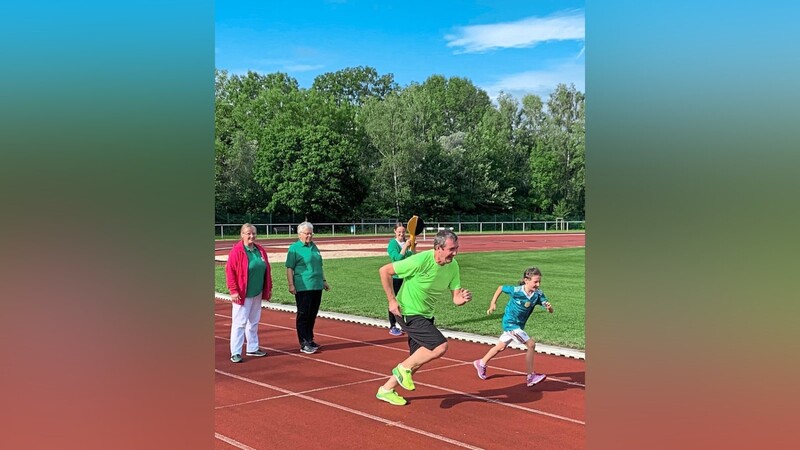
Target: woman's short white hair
[[305, 226]]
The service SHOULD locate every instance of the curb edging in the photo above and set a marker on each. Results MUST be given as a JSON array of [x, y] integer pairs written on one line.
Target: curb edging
[[459, 335]]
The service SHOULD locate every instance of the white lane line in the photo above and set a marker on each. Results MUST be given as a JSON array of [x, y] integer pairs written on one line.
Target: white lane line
[[459, 364], [275, 397], [296, 355], [466, 394], [444, 358], [233, 442], [353, 411]]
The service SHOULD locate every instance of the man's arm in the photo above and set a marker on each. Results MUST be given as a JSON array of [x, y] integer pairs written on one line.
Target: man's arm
[[386, 273]]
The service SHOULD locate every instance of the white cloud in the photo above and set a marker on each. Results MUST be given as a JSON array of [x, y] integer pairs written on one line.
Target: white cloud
[[540, 82], [283, 65], [302, 67], [568, 25]]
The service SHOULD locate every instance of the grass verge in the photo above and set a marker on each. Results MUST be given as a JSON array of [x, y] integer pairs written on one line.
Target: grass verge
[[356, 289]]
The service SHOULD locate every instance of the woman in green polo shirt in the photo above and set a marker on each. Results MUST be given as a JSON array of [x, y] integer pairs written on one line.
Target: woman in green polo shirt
[[399, 248], [306, 282]]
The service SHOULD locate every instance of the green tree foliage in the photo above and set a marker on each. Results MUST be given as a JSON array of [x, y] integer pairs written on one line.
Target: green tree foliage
[[436, 148], [236, 186], [558, 158], [309, 170], [444, 106], [354, 85], [242, 108], [419, 135], [495, 162], [308, 159], [432, 185], [391, 153]]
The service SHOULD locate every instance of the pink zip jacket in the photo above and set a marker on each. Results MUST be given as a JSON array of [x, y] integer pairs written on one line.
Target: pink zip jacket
[[236, 272]]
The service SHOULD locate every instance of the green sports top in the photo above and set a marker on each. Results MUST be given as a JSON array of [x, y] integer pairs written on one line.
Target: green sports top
[[394, 252], [425, 283], [256, 269], [306, 262]]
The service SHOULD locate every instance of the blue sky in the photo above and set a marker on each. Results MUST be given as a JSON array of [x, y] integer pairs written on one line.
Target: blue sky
[[517, 47]]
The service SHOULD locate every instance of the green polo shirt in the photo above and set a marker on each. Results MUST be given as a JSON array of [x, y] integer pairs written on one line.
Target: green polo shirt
[[256, 268], [394, 252], [425, 283], [306, 262]]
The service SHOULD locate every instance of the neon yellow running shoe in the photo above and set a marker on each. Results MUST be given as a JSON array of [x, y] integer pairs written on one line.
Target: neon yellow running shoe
[[403, 377], [390, 397]]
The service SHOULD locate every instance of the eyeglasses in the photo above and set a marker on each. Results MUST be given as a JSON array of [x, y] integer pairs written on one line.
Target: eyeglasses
[[307, 234]]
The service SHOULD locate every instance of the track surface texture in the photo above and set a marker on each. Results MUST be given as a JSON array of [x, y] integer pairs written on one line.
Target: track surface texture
[[327, 400]]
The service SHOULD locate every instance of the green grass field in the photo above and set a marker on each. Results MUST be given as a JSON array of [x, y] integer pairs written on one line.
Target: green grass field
[[356, 289]]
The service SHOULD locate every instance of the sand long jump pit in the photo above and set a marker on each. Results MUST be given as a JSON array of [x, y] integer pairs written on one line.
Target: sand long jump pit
[[277, 253]]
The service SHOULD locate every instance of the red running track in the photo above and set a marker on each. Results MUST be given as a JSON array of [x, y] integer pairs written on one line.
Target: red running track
[[467, 242], [327, 400]]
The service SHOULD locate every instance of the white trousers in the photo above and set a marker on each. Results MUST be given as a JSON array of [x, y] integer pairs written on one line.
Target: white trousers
[[244, 322]]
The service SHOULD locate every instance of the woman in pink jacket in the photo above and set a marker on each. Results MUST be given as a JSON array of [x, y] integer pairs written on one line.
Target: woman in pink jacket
[[249, 280]]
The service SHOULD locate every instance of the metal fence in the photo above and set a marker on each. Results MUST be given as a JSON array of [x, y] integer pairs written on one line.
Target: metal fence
[[231, 230]]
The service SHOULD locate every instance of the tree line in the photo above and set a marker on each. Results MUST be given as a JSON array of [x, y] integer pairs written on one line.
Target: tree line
[[356, 144]]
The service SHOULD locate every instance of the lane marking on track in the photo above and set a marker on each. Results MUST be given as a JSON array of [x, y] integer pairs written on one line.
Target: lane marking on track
[[352, 411], [442, 388], [517, 372], [275, 397], [233, 442], [444, 358]]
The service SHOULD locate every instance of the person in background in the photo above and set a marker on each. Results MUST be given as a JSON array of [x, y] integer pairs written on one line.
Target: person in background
[[306, 282], [524, 298], [398, 249], [249, 279], [428, 277]]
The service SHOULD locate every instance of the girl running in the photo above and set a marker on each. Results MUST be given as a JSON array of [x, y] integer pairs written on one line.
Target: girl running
[[520, 306]]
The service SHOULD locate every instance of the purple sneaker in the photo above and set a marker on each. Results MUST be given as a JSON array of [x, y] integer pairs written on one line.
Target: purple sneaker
[[535, 378], [394, 331], [480, 368]]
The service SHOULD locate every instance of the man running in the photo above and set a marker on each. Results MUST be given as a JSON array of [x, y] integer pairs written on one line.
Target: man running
[[428, 276]]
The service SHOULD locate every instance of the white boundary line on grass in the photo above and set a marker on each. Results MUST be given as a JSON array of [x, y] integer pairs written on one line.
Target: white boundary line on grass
[[469, 337]]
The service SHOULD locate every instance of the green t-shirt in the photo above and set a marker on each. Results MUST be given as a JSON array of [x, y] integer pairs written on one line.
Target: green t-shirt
[[425, 283], [394, 252], [256, 268], [306, 262]]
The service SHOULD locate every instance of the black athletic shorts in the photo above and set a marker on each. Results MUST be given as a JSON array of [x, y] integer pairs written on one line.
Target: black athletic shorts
[[421, 332]]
